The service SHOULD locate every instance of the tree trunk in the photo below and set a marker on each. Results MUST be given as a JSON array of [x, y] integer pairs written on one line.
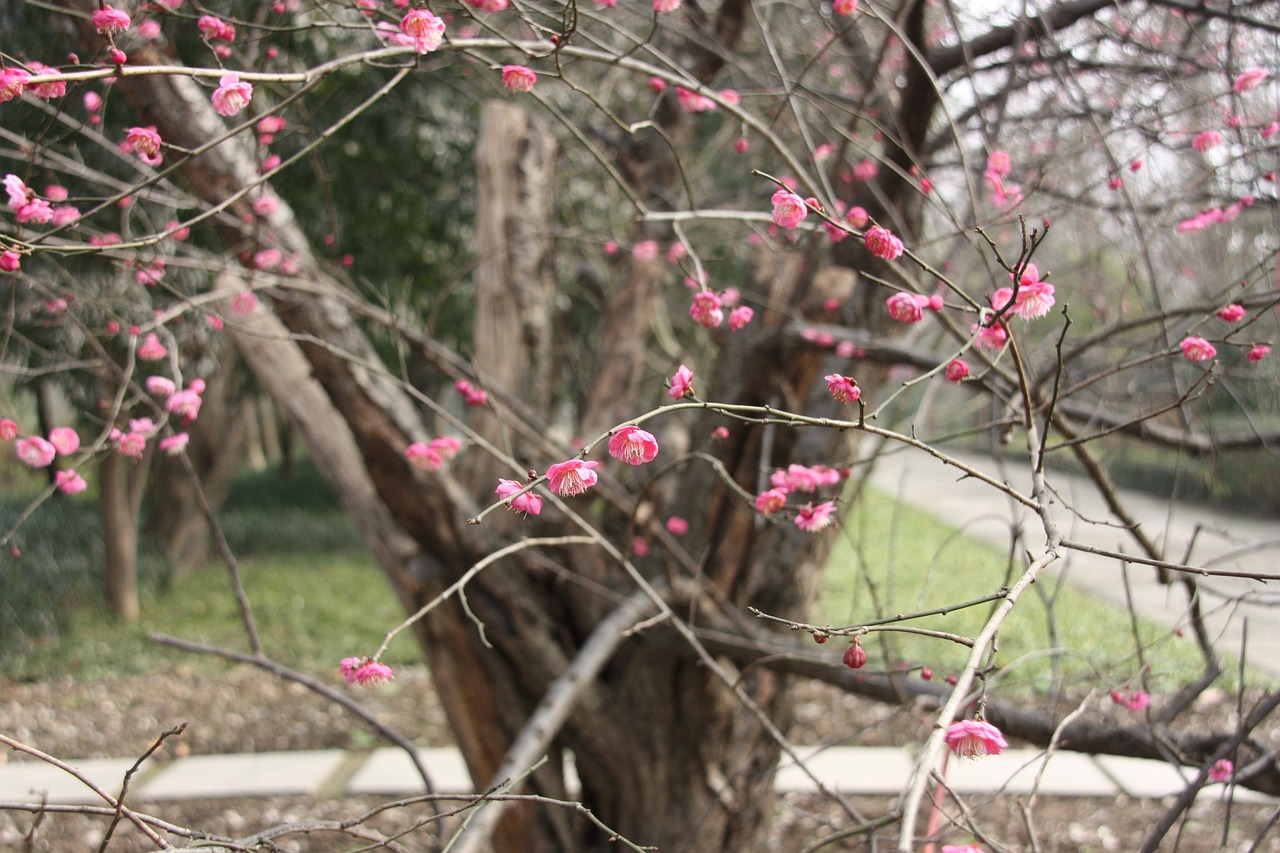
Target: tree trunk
[[119, 535]]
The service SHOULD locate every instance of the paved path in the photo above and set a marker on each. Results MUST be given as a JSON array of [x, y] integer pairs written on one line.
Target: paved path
[[388, 772], [1224, 541]]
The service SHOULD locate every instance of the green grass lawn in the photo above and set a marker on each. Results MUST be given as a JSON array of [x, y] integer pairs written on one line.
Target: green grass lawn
[[894, 559]]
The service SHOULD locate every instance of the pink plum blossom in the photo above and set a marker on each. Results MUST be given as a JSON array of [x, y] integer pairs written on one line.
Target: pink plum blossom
[[905, 307], [974, 738], [789, 209], [50, 90], [184, 404], [70, 482], [373, 673], [145, 142], [424, 28], [739, 317], [422, 457], [8, 429], [1258, 352], [65, 440], [1206, 140], [882, 243], [151, 349], [129, 443], [1197, 349], [517, 78], [993, 336], [956, 370], [172, 445], [232, 95], [681, 383], [1248, 79], [12, 82], [108, 20], [814, 518], [1138, 700], [666, 5], [646, 250], [216, 29], [705, 310], [572, 477], [446, 446], [35, 452], [1221, 770], [771, 501], [844, 8], [161, 386], [527, 503], [1232, 313], [10, 261], [999, 162], [693, 102], [843, 388], [677, 526], [865, 170], [633, 445]]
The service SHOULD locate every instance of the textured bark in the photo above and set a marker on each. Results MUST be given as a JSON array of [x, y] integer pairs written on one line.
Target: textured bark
[[119, 514]]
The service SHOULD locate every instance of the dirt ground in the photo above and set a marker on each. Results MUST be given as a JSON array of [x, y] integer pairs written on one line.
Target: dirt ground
[[243, 710]]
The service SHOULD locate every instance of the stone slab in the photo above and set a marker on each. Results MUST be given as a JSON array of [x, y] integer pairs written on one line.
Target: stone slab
[[1141, 777], [34, 781], [248, 775], [389, 771], [1015, 771], [851, 770]]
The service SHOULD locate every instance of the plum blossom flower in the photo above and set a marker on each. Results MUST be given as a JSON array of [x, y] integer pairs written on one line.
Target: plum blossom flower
[[446, 446], [646, 250], [814, 518], [473, 395], [1035, 296], [35, 452], [365, 672], [855, 657], [906, 307], [693, 102], [527, 503], [1137, 701], [666, 5], [172, 445], [8, 429], [956, 370], [771, 501], [999, 162], [1206, 140], [232, 95], [973, 738], [705, 310], [184, 404], [518, 78], [1197, 349], [70, 482], [1258, 352], [216, 29], [681, 383], [65, 440], [50, 90], [882, 243], [865, 170], [424, 28], [151, 349], [1232, 313], [108, 20], [10, 261], [844, 8], [992, 336], [145, 142], [633, 445], [161, 386], [789, 209], [422, 457], [677, 526], [12, 82], [572, 477], [843, 388], [739, 317], [1248, 79], [1221, 770]]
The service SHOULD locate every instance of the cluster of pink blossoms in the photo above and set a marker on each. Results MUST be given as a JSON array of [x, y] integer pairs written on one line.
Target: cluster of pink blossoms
[[365, 672], [910, 307], [1214, 216], [37, 452], [801, 478], [974, 738], [429, 456], [999, 165], [473, 395], [216, 29], [1033, 298], [1136, 701], [707, 309], [184, 404]]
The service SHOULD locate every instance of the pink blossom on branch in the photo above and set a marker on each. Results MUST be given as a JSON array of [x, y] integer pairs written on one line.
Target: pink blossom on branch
[[108, 20], [974, 738], [527, 503], [1197, 349], [571, 478], [8, 429], [692, 102], [814, 518], [844, 8], [216, 29], [739, 317], [906, 307], [1258, 352], [10, 261], [12, 82], [65, 440], [145, 142], [422, 457], [232, 95], [789, 209], [1206, 140], [70, 482], [173, 445], [518, 78], [771, 501], [1248, 79], [843, 388], [1232, 313], [666, 5], [365, 672], [956, 370], [681, 383], [1221, 770], [35, 452], [632, 445], [705, 310], [882, 243], [151, 349], [426, 30]]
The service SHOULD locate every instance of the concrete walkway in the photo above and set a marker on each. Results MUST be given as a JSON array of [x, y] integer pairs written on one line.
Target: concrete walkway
[[1213, 540], [868, 771]]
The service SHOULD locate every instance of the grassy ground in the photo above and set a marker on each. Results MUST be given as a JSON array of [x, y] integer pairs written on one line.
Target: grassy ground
[[317, 597], [894, 559]]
